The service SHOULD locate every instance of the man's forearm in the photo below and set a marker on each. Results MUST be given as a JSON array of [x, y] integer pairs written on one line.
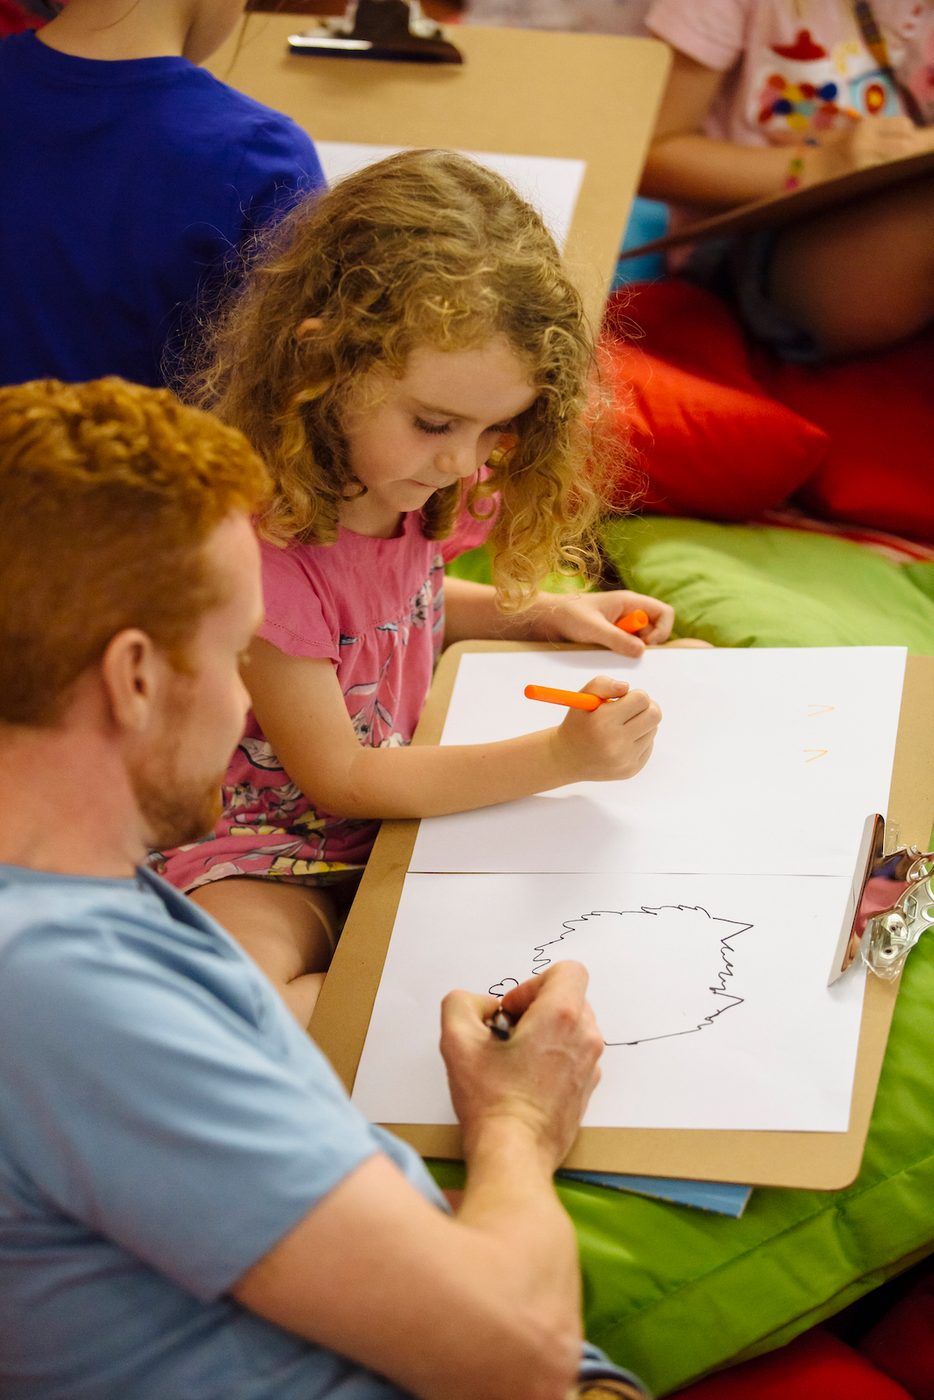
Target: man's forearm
[[510, 1195]]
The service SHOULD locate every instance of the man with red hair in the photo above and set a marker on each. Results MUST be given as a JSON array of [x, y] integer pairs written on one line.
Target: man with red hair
[[190, 1206]]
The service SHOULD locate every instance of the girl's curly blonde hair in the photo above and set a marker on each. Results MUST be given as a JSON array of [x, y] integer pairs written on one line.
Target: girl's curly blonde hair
[[425, 248]]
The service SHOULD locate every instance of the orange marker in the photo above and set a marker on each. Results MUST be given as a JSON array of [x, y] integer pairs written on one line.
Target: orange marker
[[633, 621], [574, 699]]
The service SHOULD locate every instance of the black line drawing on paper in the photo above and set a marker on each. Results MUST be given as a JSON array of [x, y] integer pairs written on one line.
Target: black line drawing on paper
[[671, 977]]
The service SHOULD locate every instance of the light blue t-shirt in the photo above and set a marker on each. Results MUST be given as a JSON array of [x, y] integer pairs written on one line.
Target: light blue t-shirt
[[163, 1123]]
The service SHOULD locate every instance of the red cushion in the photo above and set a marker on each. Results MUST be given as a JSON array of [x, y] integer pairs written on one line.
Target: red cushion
[[815, 1366], [879, 415], [13, 19], [902, 1342], [709, 439]]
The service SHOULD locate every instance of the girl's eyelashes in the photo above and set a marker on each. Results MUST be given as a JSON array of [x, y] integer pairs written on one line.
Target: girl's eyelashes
[[425, 427]]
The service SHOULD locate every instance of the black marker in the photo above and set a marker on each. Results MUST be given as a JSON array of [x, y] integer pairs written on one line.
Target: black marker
[[500, 1023]]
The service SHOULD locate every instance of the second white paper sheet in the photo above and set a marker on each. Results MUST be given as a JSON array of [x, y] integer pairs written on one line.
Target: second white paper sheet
[[709, 991], [767, 761], [550, 183]]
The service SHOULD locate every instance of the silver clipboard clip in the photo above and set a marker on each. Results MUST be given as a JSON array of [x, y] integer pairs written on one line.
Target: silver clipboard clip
[[891, 904]]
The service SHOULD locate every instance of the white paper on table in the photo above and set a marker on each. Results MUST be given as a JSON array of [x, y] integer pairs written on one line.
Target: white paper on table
[[550, 183], [720, 981], [767, 761]]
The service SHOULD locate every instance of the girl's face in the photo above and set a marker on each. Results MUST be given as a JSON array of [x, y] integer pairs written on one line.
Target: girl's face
[[436, 425]]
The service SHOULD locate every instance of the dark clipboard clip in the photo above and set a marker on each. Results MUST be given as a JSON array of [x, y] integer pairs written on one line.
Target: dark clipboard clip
[[891, 904], [387, 29]]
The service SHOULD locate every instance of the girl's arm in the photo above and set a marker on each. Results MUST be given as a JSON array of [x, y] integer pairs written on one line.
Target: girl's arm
[[299, 706], [687, 166]]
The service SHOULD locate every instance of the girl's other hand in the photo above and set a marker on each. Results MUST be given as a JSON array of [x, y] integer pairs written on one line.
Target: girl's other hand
[[591, 618], [870, 141], [614, 741]]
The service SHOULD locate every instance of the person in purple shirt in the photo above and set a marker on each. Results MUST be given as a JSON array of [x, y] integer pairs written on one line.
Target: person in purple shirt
[[131, 181]]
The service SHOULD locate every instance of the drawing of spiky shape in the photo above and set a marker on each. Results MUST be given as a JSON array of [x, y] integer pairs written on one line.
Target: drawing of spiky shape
[[654, 972]]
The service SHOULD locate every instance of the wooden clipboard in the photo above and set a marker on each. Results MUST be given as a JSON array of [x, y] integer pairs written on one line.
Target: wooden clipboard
[[819, 1161], [588, 97], [790, 206]]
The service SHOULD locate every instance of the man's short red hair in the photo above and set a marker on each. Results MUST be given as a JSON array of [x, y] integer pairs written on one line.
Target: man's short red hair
[[108, 492]]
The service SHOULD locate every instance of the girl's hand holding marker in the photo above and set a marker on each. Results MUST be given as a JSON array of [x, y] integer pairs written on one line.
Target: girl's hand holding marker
[[622, 746], [620, 621], [609, 730]]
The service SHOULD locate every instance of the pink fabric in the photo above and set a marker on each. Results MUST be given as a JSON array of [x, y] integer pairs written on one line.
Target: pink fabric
[[374, 608], [796, 70], [882, 542]]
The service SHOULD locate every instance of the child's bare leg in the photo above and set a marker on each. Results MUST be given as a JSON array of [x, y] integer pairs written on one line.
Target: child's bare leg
[[289, 931], [862, 277]]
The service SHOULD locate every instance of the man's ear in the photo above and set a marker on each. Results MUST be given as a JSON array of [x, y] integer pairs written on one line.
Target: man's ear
[[133, 676]]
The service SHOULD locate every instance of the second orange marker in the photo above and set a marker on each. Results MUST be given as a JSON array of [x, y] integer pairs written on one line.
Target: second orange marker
[[632, 621]]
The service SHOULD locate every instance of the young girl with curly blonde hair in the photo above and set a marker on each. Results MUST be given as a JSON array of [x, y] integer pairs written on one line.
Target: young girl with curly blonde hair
[[414, 364]]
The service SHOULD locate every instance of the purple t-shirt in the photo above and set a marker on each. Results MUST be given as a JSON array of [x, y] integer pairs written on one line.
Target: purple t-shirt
[[375, 608]]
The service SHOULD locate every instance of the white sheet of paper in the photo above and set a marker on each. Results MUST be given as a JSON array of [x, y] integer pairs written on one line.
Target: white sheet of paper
[[550, 183], [767, 761], [720, 982]]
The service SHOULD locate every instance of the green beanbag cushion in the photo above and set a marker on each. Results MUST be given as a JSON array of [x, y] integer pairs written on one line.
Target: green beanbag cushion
[[741, 586], [673, 1292]]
